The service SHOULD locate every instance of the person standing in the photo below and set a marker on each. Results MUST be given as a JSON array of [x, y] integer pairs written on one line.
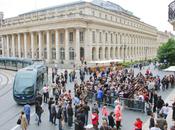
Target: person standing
[[165, 110], [38, 111], [49, 107], [60, 117], [53, 113], [138, 124], [24, 123], [104, 112], [118, 116], [152, 122], [45, 93], [39, 98], [86, 111], [70, 114], [99, 96], [173, 107], [111, 120], [27, 112], [162, 123], [95, 119]]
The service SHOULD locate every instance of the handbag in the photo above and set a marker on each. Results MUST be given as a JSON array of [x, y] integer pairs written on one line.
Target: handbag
[[19, 121]]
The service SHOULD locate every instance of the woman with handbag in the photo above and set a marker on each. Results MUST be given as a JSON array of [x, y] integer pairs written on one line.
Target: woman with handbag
[[23, 121]]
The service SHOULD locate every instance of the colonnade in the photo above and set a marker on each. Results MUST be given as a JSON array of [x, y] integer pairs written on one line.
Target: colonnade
[[39, 44]]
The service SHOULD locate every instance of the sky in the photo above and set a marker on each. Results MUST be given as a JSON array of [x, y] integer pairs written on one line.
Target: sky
[[153, 12]]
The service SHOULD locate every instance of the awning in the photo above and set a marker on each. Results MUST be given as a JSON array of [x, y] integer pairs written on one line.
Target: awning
[[106, 61], [170, 69]]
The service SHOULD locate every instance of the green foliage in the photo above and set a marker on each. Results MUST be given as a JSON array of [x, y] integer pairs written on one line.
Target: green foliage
[[167, 51]]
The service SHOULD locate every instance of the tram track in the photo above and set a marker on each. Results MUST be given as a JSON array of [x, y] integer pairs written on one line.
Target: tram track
[[6, 84]]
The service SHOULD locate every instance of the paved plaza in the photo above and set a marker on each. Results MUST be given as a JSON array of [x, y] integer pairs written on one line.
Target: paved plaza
[[10, 110]]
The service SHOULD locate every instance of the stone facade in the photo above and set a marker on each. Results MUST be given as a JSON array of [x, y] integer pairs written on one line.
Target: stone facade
[[79, 31]]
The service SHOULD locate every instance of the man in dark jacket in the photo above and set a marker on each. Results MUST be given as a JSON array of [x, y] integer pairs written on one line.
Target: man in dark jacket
[[53, 113], [49, 107], [70, 114], [86, 112], [160, 104]]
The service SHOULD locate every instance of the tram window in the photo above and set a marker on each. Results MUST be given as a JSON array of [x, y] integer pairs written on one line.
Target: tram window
[[14, 64], [2, 64], [39, 83], [19, 65]]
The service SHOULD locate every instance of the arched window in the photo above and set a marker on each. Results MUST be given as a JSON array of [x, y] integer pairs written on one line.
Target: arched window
[[100, 53], [62, 53], [71, 53], [53, 53], [93, 53]]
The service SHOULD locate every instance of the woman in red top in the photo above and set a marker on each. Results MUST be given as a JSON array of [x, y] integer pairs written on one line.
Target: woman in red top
[[138, 124], [95, 120]]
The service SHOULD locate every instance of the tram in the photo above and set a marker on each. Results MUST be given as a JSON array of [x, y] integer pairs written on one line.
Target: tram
[[28, 81], [13, 63]]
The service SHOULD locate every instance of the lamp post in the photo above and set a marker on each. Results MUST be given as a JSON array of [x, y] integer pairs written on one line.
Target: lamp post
[[124, 52]]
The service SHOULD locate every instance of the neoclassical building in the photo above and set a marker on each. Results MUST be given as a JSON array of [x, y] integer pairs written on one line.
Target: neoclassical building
[[89, 31]]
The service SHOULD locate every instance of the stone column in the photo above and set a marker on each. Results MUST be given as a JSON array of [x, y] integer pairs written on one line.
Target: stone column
[[40, 44], [8, 49], [2, 42], [88, 42], [118, 46], [19, 45], [32, 44], [77, 45], [66, 45], [97, 44], [25, 45], [57, 45], [13, 45], [48, 45]]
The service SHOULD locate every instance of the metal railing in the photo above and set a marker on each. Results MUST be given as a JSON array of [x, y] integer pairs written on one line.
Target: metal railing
[[127, 103]]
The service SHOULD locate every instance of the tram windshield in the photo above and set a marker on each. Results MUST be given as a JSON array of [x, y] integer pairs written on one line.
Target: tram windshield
[[24, 84]]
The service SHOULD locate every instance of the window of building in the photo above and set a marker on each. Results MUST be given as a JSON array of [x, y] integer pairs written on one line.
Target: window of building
[[111, 38], [71, 53], [100, 37], [61, 38], [116, 38], [106, 17], [81, 12], [93, 36], [93, 13], [62, 53], [100, 15], [53, 53], [70, 36], [81, 36], [106, 37]]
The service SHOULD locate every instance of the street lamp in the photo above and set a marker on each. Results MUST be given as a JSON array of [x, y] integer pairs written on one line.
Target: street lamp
[[124, 52]]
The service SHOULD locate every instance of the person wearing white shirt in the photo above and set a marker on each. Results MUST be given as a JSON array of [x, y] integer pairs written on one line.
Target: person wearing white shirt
[[165, 111]]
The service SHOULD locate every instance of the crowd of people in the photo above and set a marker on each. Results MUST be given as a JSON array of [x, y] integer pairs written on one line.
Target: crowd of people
[[107, 86]]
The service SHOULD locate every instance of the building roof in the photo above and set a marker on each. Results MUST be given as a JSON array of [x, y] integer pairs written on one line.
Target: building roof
[[101, 3]]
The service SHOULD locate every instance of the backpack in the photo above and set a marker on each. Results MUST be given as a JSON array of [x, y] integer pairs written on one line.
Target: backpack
[[59, 114]]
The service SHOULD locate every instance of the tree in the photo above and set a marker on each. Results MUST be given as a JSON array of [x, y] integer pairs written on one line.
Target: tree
[[166, 52]]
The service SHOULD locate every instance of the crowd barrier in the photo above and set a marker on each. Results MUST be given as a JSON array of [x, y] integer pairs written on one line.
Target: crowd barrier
[[127, 103]]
